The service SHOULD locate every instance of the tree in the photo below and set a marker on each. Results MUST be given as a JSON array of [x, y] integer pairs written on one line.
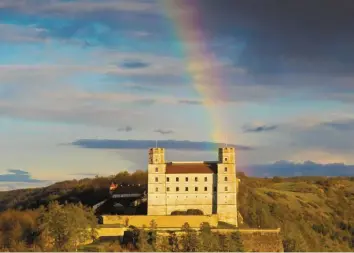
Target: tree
[[17, 229], [189, 240], [236, 245], [207, 240], [163, 244], [65, 227], [143, 241], [152, 234], [173, 242]]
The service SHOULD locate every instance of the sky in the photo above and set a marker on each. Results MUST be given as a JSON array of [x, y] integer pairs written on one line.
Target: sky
[[87, 86]]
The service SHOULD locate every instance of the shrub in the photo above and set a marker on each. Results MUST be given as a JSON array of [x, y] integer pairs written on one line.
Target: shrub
[[188, 212]]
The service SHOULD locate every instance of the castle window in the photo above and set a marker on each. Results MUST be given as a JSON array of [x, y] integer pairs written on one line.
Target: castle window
[[225, 169], [157, 189], [225, 179], [196, 179], [168, 189], [156, 179], [177, 189], [186, 189], [226, 189], [156, 169], [186, 179], [205, 188], [168, 179], [196, 189], [177, 179], [225, 159], [205, 179]]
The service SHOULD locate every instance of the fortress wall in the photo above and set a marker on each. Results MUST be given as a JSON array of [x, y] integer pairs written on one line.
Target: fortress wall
[[162, 221], [106, 231]]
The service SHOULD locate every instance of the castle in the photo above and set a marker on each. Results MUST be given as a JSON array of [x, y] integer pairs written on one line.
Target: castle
[[208, 186]]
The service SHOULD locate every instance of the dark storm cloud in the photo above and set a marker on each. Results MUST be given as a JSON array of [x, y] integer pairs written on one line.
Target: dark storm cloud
[[125, 129], [290, 169], [258, 129], [17, 176], [285, 35], [190, 102], [163, 131], [134, 64], [145, 144], [340, 125]]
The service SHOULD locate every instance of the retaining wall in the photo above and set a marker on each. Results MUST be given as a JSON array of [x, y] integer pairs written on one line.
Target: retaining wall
[[162, 221]]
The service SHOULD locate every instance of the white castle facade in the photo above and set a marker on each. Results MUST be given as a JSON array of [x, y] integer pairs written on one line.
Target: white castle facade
[[208, 186]]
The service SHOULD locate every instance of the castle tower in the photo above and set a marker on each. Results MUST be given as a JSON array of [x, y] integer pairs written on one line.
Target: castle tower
[[227, 186], [156, 182]]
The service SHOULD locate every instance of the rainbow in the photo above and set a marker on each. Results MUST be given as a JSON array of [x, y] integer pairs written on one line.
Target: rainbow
[[204, 77]]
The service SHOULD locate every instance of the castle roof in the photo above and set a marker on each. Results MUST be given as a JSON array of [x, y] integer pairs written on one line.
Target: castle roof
[[191, 168]]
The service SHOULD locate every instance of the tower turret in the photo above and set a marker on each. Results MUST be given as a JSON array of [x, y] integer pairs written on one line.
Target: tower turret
[[227, 186], [156, 182], [227, 155], [156, 155]]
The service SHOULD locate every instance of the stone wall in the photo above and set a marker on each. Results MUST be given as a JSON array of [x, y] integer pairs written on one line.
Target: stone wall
[[161, 220]]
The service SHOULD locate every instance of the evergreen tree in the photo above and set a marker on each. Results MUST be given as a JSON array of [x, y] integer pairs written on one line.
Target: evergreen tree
[[143, 241], [189, 240], [174, 242], [163, 243], [152, 234], [236, 242], [207, 240]]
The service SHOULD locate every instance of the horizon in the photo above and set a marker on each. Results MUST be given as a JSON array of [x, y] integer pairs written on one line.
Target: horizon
[[86, 86]]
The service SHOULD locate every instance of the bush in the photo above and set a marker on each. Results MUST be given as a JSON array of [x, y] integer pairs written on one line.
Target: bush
[[194, 212], [188, 212]]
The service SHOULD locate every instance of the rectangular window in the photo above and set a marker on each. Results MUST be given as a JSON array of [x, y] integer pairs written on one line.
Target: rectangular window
[[157, 189], [177, 189], [196, 189], [168, 179], [186, 189], [168, 189], [226, 189], [225, 179], [156, 179], [177, 179], [156, 169], [186, 179], [205, 179], [205, 188], [196, 179]]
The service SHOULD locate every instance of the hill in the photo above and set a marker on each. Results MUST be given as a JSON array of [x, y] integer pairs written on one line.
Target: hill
[[314, 213]]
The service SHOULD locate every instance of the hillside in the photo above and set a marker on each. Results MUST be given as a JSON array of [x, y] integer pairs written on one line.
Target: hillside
[[314, 213]]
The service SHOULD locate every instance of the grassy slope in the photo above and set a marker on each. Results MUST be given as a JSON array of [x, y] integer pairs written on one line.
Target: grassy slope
[[315, 214]]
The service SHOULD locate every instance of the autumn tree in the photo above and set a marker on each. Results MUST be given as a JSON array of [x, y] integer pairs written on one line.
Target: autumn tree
[[65, 227]]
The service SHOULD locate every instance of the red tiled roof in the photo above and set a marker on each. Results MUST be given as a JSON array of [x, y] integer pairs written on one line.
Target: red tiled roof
[[182, 168]]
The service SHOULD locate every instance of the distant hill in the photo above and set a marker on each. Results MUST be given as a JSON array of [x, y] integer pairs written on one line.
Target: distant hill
[[314, 213]]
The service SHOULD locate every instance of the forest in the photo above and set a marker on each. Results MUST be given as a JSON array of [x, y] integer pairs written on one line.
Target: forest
[[314, 214]]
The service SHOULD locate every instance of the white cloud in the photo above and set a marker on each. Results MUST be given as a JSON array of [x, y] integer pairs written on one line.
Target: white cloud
[[19, 33], [78, 6]]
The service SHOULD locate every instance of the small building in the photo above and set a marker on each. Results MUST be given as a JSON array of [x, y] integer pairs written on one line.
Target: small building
[[179, 186]]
